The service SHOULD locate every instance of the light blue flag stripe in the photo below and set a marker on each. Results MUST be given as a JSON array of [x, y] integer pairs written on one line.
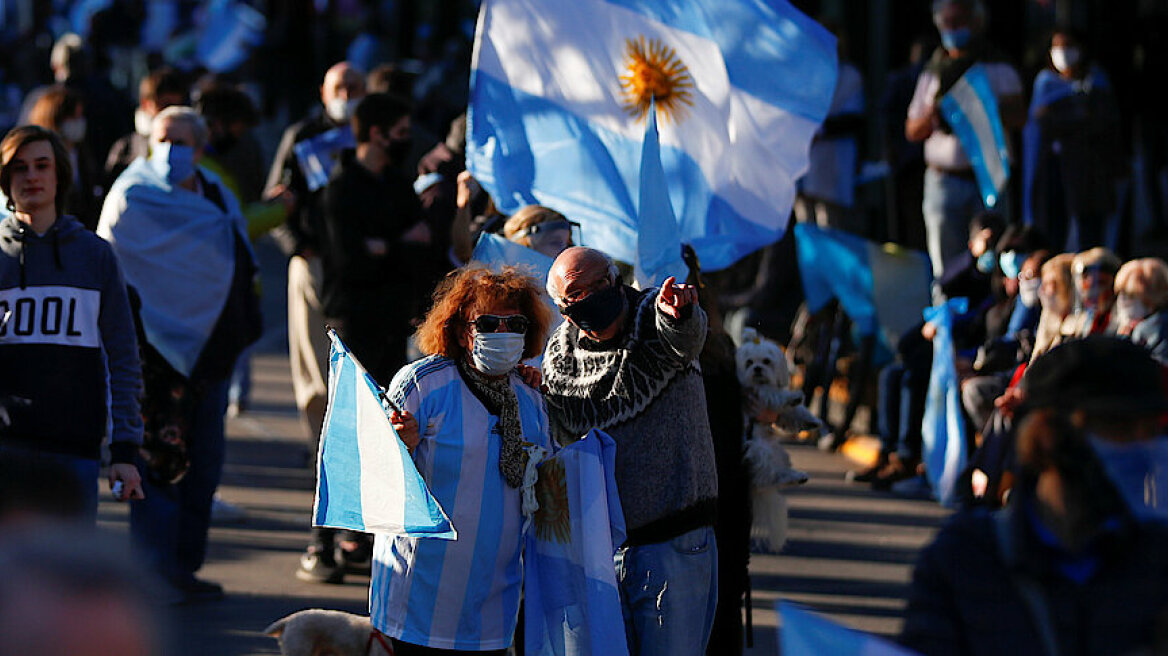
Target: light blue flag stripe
[[366, 479], [943, 430], [803, 633], [317, 156], [971, 109], [658, 244]]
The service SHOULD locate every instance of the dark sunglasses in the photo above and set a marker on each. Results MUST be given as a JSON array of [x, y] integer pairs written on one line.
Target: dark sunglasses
[[512, 323]]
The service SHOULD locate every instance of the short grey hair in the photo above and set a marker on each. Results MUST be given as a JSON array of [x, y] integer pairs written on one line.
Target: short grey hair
[[613, 275], [182, 114]]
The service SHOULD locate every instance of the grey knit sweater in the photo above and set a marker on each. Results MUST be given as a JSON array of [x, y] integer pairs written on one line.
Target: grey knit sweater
[[644, 388]]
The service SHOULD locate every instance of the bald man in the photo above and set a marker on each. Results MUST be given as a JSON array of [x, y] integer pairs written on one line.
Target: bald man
[[625, 362]]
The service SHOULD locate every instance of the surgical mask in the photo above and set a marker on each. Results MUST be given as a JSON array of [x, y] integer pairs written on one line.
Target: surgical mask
[[398, 149], [1064, 59], [987, 261], [956, 39], [143, 122], [341, 110], [598, 311], [1139, 472], [73, 130], [1028, 291], [1130, 309], [173, 162], [495, 354]]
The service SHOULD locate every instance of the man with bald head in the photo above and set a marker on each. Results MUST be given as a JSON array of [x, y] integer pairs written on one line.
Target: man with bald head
[[626, 362]]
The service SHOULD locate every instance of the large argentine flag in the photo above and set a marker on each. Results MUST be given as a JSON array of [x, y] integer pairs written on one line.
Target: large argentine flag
[[559, 90], [972, 111], [882, 288], [366, 480], [943, 431], [806, 633], [573, 607]]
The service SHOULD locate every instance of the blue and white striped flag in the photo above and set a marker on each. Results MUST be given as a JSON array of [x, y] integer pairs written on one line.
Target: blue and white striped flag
[[972, 111], [497, 252], [318, 155], [943, 431], [231, 30], [559, 91], [366, 480], [804, 633], [573, 606]]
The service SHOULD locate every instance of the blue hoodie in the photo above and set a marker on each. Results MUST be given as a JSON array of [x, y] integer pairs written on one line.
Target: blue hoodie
[[69, 330]]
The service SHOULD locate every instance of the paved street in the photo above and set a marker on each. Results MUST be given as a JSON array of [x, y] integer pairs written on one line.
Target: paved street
[[850, 552]]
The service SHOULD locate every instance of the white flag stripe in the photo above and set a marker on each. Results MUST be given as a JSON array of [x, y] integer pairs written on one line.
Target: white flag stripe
[[979, 120], [381, 463]]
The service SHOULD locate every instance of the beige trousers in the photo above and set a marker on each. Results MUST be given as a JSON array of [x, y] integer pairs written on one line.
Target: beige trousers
[[308, 344]]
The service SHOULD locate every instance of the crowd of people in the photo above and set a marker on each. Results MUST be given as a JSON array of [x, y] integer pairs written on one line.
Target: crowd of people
[[129, 300]]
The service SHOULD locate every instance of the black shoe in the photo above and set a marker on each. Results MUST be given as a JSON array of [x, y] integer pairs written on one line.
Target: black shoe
[[193, 590], [354, 552], [317, 565]]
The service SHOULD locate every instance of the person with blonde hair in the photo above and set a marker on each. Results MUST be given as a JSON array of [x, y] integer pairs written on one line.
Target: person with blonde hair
[[1056, 293], [539, 228], [465, 415], [1141, 290]]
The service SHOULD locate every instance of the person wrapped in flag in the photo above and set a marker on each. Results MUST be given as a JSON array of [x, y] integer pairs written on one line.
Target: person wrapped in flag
[[468, 418]]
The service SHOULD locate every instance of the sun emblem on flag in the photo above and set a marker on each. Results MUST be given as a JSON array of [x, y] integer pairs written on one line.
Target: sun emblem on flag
[[654, 72], [551, 491]]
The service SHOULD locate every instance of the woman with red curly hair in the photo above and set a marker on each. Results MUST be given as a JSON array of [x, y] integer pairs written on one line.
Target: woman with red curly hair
[[466, 416]]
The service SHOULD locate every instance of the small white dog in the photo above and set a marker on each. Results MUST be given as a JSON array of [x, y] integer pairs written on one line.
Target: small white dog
[[765, 377], [317, 632]]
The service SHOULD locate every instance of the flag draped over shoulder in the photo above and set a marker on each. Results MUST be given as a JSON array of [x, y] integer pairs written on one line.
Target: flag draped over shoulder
[[972, 111], [943, 431], [804, 632], [572, 603], [559, 91], [882, 288], [318, 154], [366, 480]]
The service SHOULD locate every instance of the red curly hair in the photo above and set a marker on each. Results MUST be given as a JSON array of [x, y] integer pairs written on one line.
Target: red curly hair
[[463, 290]]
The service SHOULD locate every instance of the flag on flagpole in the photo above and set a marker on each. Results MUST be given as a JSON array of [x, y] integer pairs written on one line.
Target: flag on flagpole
[[881, 288], [572, 603], [971, 109], [658, 244], [805, 633], [943, 431], [366, 480], [559, 91]]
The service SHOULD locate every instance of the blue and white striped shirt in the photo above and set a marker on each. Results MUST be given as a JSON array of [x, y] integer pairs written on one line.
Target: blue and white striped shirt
[[456, 594]]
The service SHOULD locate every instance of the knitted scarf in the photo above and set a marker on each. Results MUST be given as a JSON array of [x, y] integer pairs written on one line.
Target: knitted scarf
[[500, 400]]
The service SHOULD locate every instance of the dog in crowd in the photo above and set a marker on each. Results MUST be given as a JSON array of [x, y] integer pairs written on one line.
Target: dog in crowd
[[318, 632], [765, 378]]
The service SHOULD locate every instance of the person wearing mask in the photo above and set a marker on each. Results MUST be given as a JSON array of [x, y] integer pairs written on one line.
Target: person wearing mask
[[66, 329], [626, 362], [1056, 295], [951, 195], [162, 88], [1094, 274], [300, 237], [541, 229], [1141, 304], [1072, 154], [180, 237], [465, 413], [372, 220], [62, 110], [1075, 561]]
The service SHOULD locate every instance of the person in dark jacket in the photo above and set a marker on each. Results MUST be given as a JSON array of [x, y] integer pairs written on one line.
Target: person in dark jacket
[[1075, 563], [65, 325]]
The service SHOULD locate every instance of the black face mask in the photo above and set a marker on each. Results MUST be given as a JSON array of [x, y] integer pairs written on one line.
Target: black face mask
[[598, 311], [398, 149]]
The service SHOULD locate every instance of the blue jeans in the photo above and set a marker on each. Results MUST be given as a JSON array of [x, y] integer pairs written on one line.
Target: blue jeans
[[902, 395], [169, 527], [669, 591], [950, 202], [84, 470]]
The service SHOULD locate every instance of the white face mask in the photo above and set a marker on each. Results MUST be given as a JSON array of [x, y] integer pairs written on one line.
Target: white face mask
[[341, 110], [495, 354], [1028, 291], [1130, 309], [143, 122], [1064, 59], [73, 130]]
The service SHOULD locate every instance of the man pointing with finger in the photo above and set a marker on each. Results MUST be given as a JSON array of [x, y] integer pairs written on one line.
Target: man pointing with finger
[[625, 361]]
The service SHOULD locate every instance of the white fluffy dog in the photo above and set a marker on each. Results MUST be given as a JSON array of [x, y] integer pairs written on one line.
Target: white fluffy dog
[[765, 377], [317, 632]]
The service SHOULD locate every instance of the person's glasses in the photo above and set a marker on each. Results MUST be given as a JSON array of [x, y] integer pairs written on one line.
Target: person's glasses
[[512, 323]]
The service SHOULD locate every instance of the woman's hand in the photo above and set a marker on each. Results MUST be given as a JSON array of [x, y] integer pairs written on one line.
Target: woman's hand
[[131, 481], [406, 427]]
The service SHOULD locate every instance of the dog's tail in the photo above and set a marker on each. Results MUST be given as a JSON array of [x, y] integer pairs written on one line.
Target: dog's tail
[[276, 629]]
